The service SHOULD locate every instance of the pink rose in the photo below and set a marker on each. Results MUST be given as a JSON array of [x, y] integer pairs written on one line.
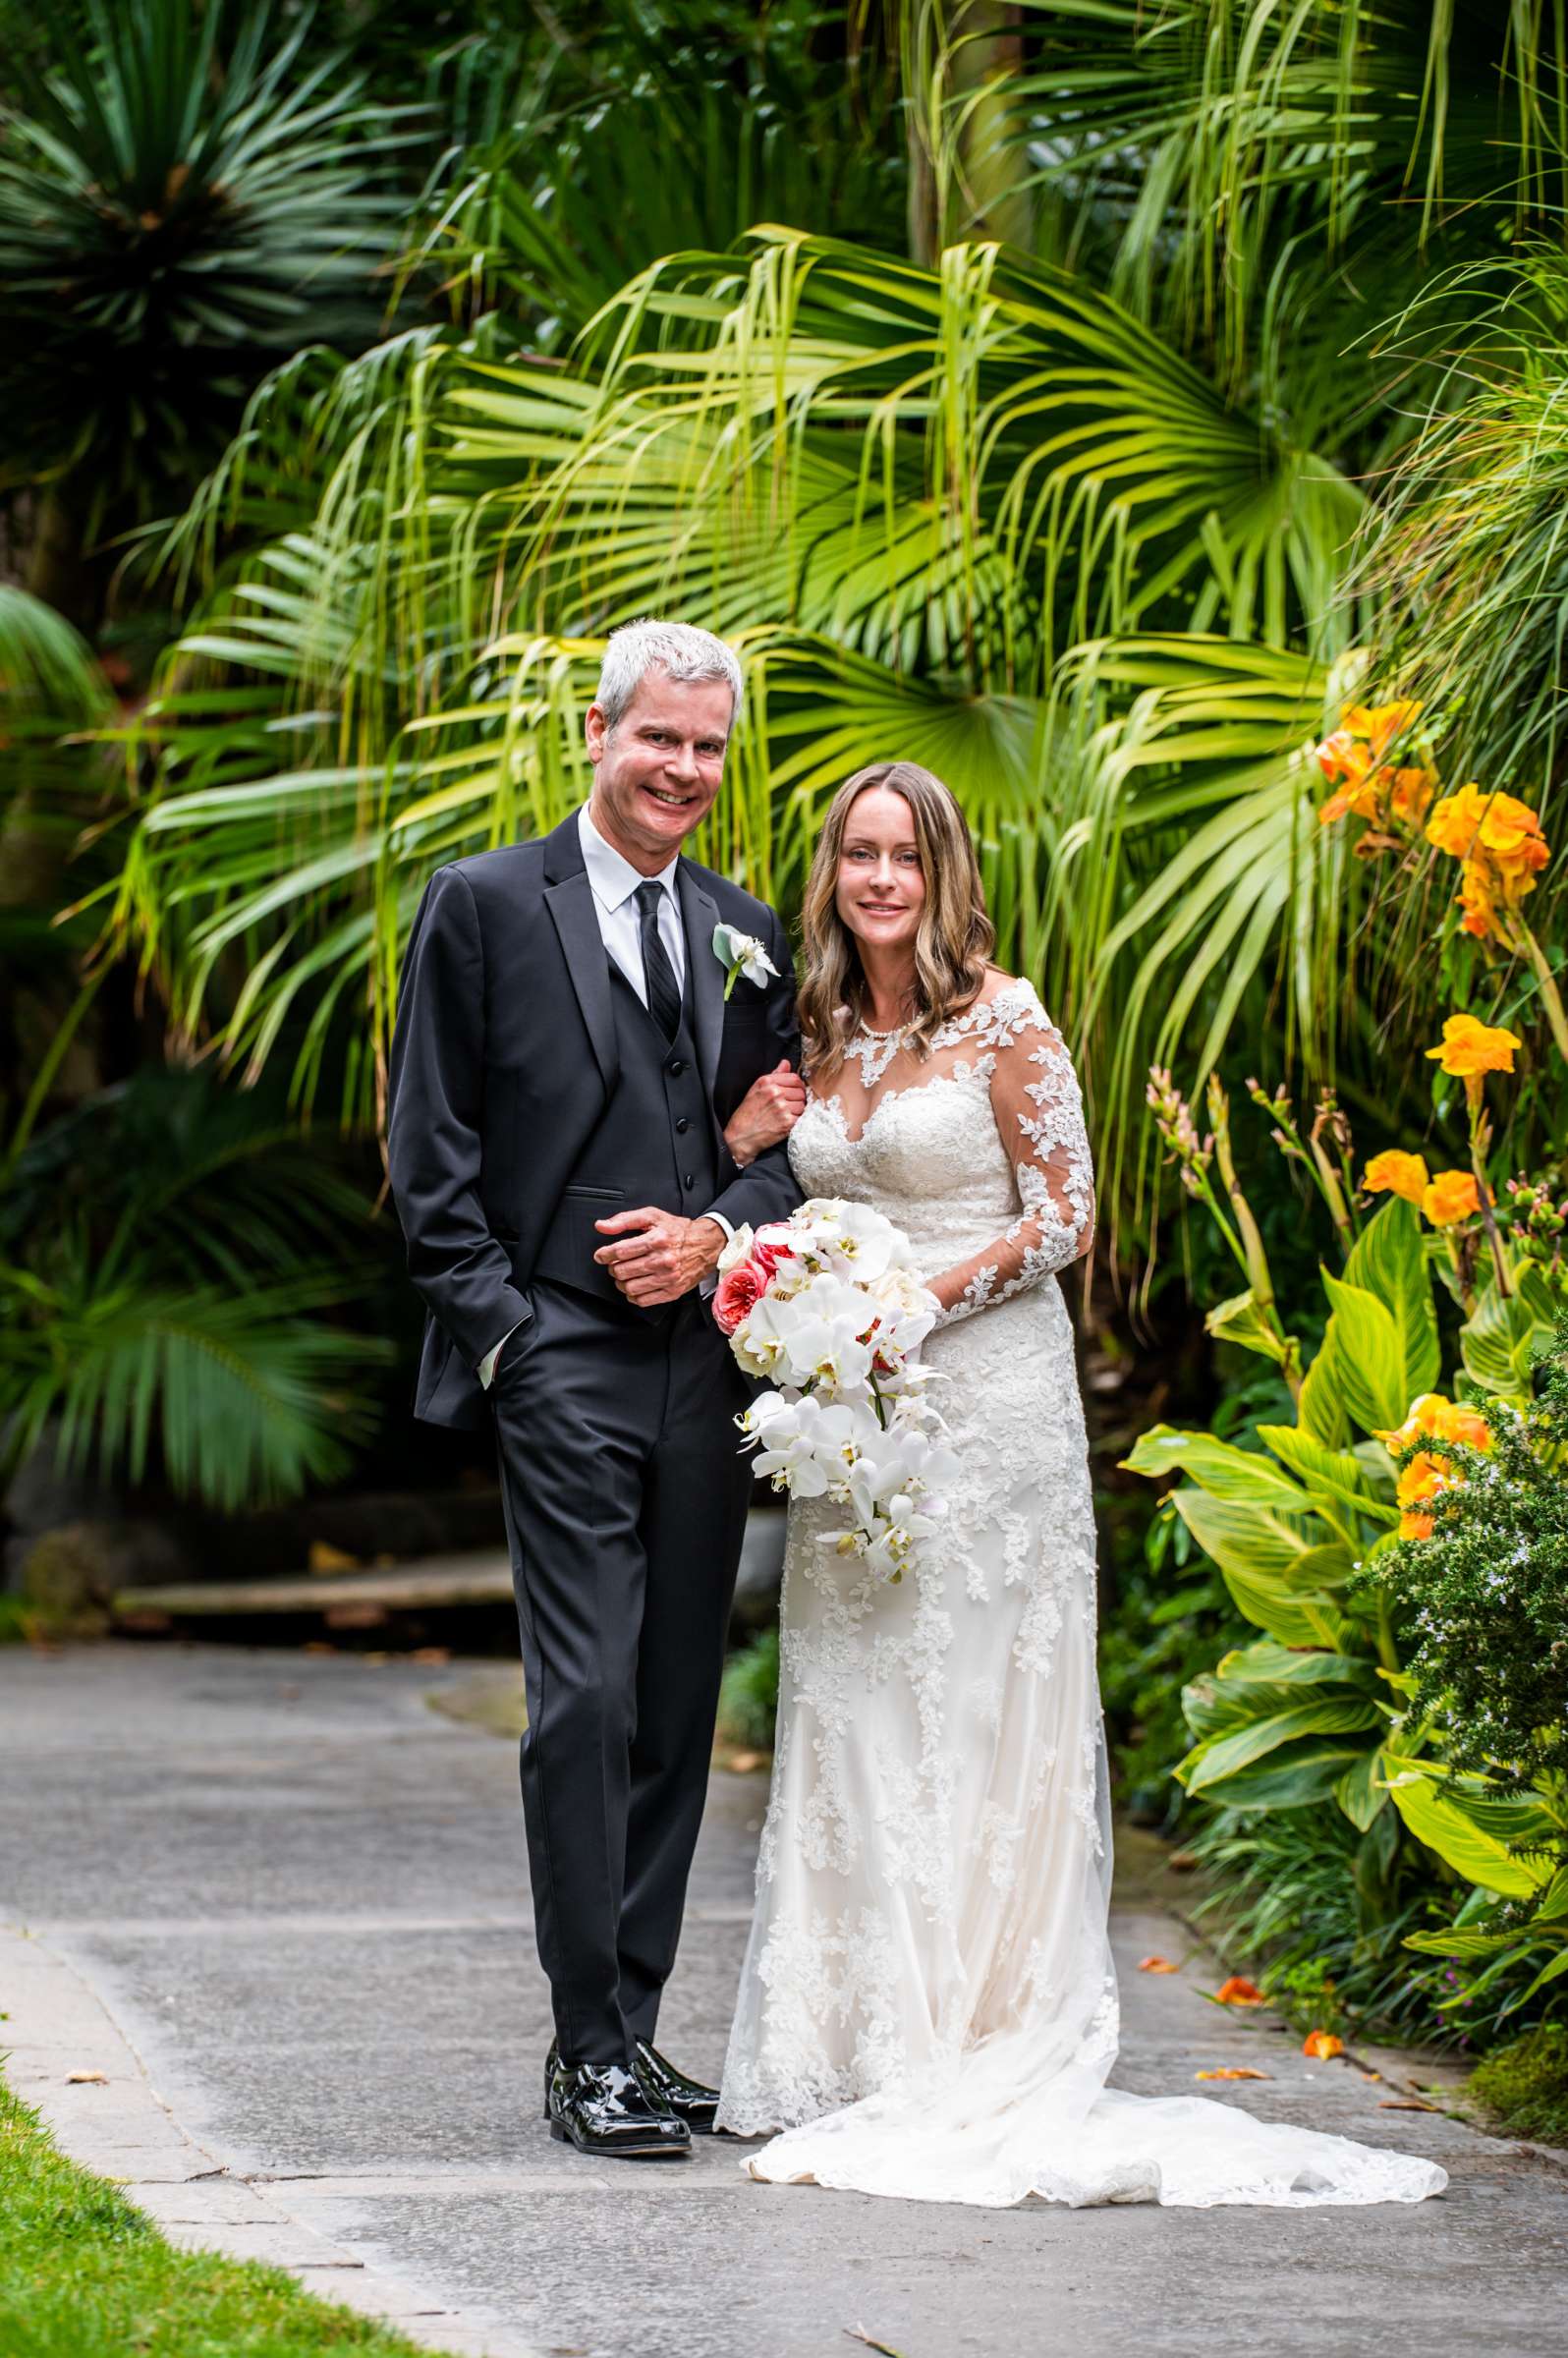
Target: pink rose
[[738, 1293], [767, 1258]]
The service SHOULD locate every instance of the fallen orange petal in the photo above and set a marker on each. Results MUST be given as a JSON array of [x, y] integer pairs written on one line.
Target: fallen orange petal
[[1232, 2072], [1156, 1965], [1404, 2104], [1240, 1991], [1324, 2045]]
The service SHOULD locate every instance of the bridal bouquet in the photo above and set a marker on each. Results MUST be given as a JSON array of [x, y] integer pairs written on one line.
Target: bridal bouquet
[[828, 1304]]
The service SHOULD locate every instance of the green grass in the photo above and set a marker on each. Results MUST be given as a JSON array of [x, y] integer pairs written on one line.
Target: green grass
[[85, 2274], [1524, 2086]]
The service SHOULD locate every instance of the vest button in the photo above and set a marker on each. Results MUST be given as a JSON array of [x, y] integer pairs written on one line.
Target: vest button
[[688, 1183], [683, 1125], [676, 1065]]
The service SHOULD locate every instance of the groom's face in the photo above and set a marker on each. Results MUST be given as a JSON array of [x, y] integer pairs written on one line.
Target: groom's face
[[657, 771]]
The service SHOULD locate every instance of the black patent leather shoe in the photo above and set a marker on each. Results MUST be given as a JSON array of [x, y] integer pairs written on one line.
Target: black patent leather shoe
[[662, 2083], [601, 2109]]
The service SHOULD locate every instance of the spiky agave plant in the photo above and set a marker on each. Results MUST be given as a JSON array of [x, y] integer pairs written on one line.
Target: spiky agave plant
[[183, 198]]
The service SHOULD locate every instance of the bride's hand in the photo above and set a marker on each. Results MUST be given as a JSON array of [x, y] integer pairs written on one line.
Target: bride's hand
[[768, 1112]]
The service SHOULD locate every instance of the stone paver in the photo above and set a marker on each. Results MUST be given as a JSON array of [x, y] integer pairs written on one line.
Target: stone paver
[[281, 1904]]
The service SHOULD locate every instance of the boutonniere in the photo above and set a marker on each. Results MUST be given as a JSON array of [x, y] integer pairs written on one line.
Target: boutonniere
[[740, 954]]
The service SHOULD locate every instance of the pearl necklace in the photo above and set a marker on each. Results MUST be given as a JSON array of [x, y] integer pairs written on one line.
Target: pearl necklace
[[874, 1052]]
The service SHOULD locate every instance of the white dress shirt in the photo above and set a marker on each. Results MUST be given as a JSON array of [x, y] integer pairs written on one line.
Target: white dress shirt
[[614, 882]]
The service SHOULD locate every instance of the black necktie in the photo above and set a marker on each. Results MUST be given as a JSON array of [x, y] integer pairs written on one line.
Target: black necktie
[[658, 976]]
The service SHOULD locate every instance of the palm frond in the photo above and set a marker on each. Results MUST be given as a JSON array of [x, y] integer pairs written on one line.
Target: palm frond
[[239, 1397]]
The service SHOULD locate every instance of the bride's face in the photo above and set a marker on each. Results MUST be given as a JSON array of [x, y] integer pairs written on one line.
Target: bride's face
[[881, 888]]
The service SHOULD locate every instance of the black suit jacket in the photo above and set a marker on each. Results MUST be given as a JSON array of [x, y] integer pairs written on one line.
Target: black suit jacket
[[502, 1061]]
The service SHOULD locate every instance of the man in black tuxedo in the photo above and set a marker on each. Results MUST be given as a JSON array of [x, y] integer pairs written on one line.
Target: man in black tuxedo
[[572, 1116]]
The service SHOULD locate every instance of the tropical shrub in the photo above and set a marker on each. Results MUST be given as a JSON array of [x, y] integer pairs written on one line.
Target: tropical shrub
[[1480, 1588], [174, 1264], [1355, 1693]]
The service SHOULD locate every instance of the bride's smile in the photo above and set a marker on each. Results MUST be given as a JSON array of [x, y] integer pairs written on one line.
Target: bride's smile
[[881, 888]]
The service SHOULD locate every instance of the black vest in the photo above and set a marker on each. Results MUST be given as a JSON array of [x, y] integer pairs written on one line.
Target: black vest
[[653, 1144]]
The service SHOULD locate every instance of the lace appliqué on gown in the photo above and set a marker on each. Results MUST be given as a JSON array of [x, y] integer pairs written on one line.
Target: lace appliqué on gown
[[929, 2002]]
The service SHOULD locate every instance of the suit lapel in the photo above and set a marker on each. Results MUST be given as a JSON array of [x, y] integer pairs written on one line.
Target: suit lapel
[[569, 898], [700, 914]]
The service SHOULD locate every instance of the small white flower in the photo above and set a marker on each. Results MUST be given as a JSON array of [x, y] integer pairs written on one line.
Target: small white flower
[[742, 954]]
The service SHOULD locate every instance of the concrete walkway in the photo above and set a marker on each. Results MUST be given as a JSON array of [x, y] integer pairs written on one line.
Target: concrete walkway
[[279, 1902]]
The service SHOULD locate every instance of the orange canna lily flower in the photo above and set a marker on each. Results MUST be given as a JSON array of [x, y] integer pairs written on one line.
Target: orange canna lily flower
[[1360, 798], [1156, 1965], [1473, 819], [1470, 1046], [1426, 1475], [1449, 1420], [1396, 1174], [1478, 901], [1424, 1415], [1380, 724], [1340, 757], [1410, 796], [1323, 2044], [1238, 1992], [1450, 1197], [1422, 1478]]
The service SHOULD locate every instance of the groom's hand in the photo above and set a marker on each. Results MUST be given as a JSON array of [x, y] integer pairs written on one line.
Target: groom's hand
[[659, 1255]]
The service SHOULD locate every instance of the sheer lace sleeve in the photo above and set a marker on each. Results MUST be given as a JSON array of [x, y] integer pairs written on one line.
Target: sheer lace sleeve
[[1040, 1115]]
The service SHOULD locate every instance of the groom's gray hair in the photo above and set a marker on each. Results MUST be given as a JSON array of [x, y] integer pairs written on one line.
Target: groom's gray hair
[[677, 648]]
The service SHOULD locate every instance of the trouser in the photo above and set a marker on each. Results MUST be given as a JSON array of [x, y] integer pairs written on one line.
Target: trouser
[[624, 1490]]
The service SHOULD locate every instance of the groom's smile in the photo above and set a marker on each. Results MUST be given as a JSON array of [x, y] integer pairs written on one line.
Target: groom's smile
[[659, 769]]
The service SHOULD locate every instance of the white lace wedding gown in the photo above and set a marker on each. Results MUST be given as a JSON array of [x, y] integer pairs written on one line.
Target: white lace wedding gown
[[928, 2003]]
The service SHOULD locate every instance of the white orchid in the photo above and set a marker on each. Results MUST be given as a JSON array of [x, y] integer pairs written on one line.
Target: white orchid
[[829, 1307], [805, 1446], [742, 954]]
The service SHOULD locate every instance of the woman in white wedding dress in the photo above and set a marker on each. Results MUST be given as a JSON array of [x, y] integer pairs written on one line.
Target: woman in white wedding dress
[[928, 2003]]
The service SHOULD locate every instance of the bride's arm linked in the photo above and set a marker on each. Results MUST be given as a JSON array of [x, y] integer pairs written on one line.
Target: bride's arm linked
[[1040, 1116]]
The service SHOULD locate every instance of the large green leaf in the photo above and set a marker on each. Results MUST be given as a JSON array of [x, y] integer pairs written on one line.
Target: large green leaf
[[1361, 1792], [1500, 1340], [1239, 1320], [1290, 1778], [1471, 1830], [1320, 1410], [1465, 1946], [1334, 1478], [1222, 1757], [1365, 1357], [1387, 1260], [1267, 1663], [1243, 1476], [1258, 1556], [1253, 1681]]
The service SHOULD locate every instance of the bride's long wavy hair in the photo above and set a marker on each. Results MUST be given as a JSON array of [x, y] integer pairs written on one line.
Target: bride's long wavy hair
[[952, 946]]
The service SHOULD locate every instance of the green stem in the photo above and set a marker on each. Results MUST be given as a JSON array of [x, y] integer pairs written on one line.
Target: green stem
[[1550, 996], [50, 1064], [1478, 1166]]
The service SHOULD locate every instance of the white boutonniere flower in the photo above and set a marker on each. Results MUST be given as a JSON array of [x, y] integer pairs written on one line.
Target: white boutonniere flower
[[741, 954]]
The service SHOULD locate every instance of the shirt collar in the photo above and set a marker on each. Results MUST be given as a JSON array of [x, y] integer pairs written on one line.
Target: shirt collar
[[610, 873]]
